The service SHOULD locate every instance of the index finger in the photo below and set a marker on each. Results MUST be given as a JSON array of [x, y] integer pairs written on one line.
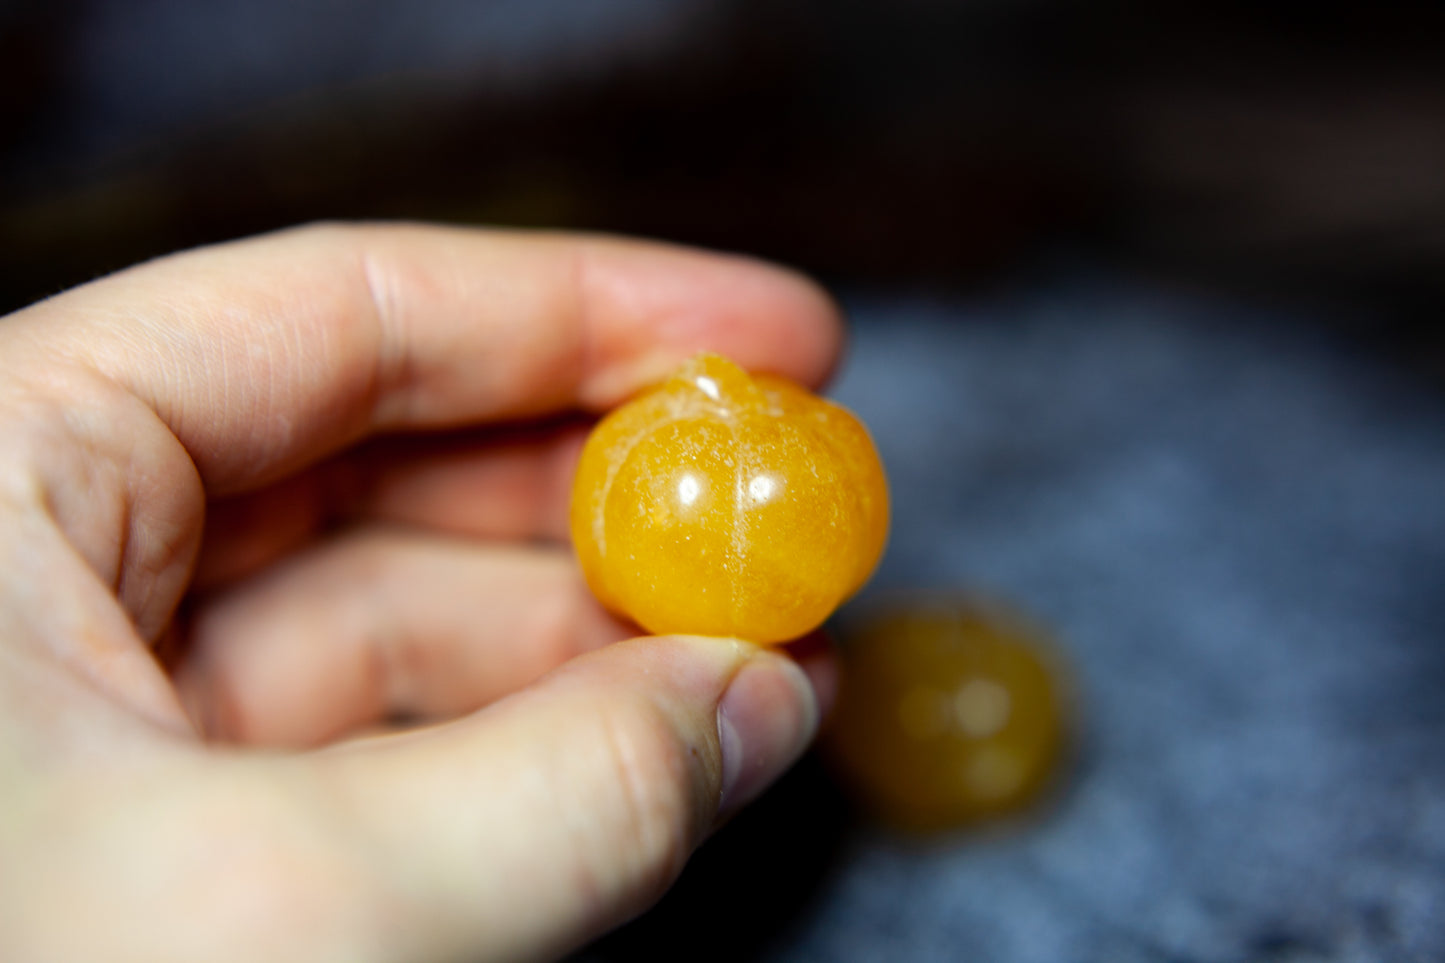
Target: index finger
[[267, 354]]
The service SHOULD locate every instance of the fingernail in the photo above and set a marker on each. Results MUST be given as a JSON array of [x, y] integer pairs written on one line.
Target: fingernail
[[765, 720]]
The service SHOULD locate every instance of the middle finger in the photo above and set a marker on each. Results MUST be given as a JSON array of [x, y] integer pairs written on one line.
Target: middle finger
[[512, 485]]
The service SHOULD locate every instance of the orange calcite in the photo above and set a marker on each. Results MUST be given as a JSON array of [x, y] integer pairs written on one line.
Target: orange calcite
[[948, 713], [721, 503]]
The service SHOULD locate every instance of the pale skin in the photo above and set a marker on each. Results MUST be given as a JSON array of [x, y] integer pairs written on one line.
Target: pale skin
[[237, 454]]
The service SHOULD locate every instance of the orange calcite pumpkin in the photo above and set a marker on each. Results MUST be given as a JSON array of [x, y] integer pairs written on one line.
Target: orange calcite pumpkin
[[949, 713], [721, 503]]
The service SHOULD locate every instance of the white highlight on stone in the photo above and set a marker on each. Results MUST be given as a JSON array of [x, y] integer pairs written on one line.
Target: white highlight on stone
[[688, 489], [761, 488], [709, 387], [981, 707]]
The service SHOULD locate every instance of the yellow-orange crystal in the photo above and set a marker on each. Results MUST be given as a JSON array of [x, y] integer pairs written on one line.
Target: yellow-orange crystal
[[948, 713], [722, 503]]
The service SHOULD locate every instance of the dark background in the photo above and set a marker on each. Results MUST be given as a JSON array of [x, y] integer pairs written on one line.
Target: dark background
[[1284, 147], [1147, 311]]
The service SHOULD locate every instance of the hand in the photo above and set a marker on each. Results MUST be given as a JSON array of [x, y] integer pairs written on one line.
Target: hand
[[331, 403]]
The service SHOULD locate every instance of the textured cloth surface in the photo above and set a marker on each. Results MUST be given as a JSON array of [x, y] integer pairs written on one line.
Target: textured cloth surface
[[1235, 527]]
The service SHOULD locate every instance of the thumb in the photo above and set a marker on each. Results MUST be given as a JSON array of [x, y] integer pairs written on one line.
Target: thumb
[[570, 806]]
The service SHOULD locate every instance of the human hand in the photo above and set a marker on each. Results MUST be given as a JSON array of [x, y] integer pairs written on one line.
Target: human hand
[[361, 559]]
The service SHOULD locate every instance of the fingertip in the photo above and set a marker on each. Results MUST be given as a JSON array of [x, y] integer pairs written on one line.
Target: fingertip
[[806, 332], [673, 302], [821, 334], [766, 718]]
